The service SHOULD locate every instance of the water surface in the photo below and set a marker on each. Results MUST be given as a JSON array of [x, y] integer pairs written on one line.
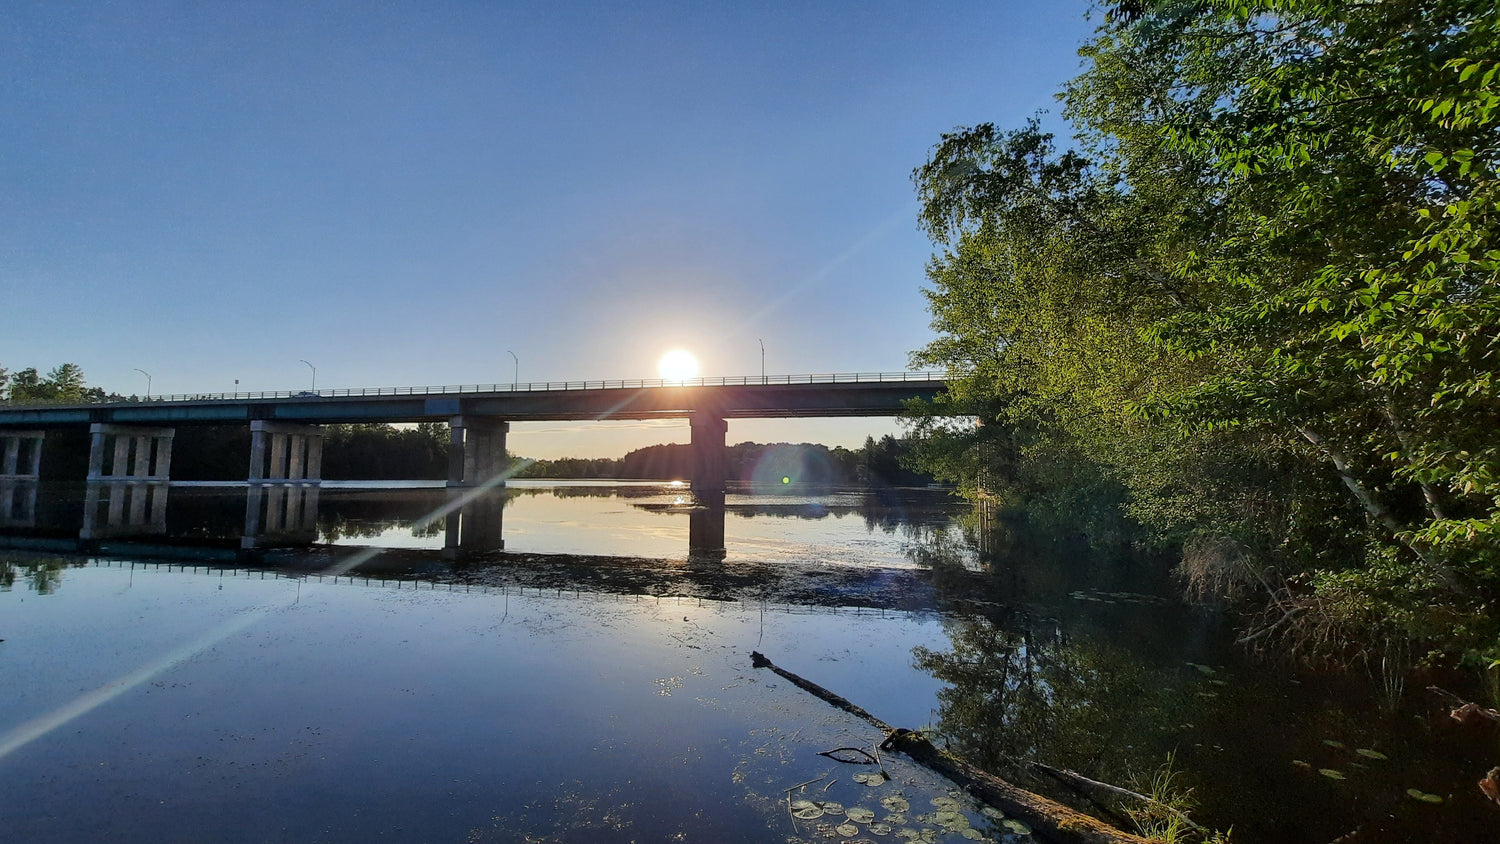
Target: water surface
[[591, 680]]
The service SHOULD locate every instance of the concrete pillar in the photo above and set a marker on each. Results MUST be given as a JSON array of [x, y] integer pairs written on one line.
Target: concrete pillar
[[315, 459], [257, 453], [142, 468], [96, 452], [118, 467], [278, 456], [296, 453], [456, 432], [22, 451], [297, 446], [36, 454], [476, 450], [709, 464], [144, 442], [163, 459]]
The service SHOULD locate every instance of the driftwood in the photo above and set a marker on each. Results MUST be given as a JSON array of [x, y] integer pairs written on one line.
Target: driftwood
[[1048, 817], [1465, 712]]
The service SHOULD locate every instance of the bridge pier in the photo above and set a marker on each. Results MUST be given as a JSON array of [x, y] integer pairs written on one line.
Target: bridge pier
[[20, 474], [709, 464], [138, 453], [476, 450], [286, 468]]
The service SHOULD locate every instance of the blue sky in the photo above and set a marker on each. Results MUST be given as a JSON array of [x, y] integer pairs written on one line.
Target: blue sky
[[402, 192]]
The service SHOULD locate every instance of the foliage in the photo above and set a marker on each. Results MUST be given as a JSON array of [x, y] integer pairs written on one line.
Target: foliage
[[1261, 297], [64, 383]]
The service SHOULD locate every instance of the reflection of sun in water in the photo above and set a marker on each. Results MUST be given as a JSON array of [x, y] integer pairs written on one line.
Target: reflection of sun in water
[[678, 365]]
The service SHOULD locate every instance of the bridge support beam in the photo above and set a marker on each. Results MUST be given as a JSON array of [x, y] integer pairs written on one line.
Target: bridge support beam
[[709, 464], [476, 451], [286, 473], [19, 476]]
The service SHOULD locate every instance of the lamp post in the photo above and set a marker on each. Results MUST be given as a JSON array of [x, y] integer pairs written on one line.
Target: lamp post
[[148, 380], [516, 378], [315, 376], [762, 359]]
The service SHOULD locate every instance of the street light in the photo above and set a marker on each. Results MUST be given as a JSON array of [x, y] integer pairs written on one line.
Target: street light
[[315, 376], [148, 380], [515, 379], [762, 359]]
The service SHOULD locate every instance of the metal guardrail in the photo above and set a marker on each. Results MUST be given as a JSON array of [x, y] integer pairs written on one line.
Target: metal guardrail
[[540, 386]]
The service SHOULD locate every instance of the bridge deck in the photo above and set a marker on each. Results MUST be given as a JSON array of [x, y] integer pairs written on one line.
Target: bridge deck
[[865, 394]]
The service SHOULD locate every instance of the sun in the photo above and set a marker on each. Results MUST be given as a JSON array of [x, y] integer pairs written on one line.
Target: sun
[[678, 365]]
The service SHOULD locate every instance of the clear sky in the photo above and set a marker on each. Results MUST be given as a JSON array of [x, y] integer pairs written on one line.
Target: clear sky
[[401, 193]]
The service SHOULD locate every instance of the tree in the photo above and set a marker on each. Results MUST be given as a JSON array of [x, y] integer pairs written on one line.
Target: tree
[[1273, 256]]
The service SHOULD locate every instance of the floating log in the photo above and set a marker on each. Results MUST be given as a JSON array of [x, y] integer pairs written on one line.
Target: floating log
[[1051, 819]]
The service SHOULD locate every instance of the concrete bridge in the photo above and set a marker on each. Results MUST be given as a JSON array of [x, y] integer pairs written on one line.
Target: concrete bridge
[[131, 442]]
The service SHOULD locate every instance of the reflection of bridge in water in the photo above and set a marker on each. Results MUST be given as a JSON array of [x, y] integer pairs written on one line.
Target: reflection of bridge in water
[[465, 523]]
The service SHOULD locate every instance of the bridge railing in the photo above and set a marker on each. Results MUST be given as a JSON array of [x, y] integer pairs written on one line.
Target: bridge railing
[[531, 387]]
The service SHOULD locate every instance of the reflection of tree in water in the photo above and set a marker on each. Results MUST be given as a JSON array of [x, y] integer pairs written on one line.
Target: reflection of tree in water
[[41, 576], [1019, 690], [368, 514], [1023, 687]]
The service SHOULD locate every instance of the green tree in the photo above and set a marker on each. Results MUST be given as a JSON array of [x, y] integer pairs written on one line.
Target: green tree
[[1262, 296]]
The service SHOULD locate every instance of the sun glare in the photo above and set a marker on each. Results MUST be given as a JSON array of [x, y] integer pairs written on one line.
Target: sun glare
[[678, 365]]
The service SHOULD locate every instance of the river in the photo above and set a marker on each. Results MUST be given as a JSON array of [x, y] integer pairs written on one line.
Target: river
[[591, 681]]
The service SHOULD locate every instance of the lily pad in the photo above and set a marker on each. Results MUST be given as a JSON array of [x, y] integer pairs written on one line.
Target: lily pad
[[879, 829], [848, 830], [1016, 826], [833, 807], [1371, 754], [807, 813], [1335, 743], [992, 812], [952, 820], [870, 778], [1417, 794], [971, 833], [945, 803], [1331, 773], [895, 819], [895, 802], [859, 814]]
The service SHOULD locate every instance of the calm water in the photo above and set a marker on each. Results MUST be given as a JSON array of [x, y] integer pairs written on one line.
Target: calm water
[[591, 681]]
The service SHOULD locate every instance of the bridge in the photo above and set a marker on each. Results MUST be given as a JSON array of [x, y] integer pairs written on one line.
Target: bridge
[[131, 441]]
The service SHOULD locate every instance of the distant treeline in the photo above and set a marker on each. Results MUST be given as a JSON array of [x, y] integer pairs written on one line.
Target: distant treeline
[[878, 462]]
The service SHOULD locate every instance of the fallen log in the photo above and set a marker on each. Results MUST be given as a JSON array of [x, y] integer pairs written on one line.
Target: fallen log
[[1051, 819]]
